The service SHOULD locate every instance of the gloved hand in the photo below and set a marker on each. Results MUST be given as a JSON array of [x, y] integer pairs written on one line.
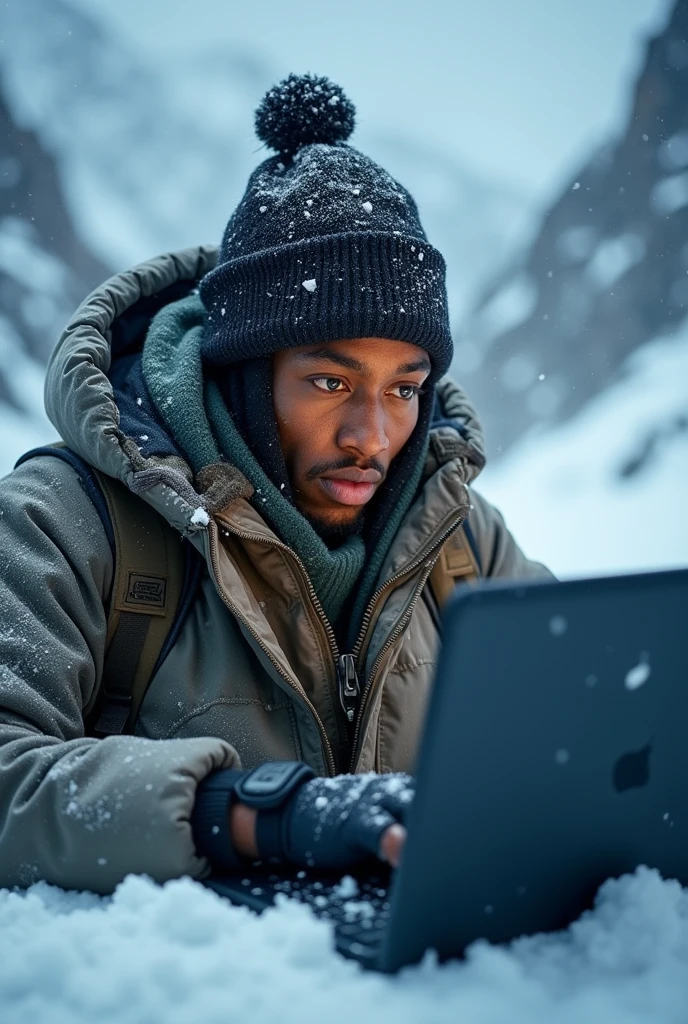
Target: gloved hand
[[334, 823]]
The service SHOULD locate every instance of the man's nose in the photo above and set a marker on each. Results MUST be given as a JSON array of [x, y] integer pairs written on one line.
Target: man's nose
[[364, 428]]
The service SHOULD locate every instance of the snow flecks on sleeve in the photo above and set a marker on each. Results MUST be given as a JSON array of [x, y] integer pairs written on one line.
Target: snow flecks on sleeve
[[310, 285]]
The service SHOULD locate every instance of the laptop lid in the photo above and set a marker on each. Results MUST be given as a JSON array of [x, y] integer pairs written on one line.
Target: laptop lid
[[555, 755]]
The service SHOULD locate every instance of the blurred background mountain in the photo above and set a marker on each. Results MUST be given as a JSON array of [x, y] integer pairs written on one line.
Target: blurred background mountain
[[124, 137], [606, 272]]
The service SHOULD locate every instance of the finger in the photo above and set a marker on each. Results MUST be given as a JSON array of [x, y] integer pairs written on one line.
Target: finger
[[392, 844]]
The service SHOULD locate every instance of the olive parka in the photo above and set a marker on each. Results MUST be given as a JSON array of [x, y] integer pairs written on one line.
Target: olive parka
[[252, 676]]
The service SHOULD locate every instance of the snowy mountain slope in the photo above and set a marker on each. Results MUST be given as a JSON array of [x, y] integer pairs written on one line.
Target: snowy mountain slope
[[44, 272], [147, 165], [606, 272], [180, 953], [44, 266], [96, 153], [608, 490], [155, 156], [129, 159]]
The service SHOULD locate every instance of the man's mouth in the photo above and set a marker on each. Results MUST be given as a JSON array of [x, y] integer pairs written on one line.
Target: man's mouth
[[351, 486]]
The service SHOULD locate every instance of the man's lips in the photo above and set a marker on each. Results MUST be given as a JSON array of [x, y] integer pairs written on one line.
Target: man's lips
[[351, 486]]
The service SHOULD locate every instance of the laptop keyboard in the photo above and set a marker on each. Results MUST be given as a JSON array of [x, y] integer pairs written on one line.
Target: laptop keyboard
[[358, 907]]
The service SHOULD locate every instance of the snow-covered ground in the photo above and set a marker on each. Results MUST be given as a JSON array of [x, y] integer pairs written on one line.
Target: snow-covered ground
[[180, 953], [608, 491]]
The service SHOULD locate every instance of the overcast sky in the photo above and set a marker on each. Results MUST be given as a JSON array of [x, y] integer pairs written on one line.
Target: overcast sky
[[518, 89]]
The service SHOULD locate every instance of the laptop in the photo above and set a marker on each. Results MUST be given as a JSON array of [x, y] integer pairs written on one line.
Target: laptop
[[554, 756]]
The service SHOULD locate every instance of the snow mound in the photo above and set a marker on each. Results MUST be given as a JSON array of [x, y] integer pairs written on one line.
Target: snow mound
[[179, 952]]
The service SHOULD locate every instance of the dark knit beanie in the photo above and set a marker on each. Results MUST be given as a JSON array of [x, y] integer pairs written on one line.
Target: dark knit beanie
[[325, 245]]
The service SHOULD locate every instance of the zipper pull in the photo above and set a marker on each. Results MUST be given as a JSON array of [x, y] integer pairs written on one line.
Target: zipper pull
[[349, 687]]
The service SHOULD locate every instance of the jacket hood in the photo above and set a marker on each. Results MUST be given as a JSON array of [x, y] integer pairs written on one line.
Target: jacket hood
[[109, 328]]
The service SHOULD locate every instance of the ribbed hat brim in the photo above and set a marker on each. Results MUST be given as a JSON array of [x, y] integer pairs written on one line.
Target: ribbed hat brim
[[351, 285]]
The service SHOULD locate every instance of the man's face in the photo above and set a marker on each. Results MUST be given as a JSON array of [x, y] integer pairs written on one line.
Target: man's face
[[344, 410]]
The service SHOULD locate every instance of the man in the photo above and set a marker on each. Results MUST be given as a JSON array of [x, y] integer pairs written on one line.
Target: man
[[280, 406]]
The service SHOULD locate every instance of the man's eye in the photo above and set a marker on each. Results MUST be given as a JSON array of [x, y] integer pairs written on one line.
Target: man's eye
[[327, 383], [406, 391]]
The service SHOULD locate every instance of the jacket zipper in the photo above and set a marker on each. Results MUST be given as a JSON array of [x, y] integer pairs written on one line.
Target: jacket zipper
[[347, 677], [400, 626], [349, 686], [299, 691]]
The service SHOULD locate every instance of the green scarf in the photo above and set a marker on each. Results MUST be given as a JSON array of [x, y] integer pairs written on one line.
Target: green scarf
[[195, 414]]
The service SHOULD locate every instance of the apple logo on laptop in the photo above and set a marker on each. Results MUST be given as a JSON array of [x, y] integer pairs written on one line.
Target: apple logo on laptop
[[632, 770]]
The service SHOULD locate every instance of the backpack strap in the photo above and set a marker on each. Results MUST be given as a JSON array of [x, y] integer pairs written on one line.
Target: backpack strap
[[146, 593], [155, 580], [459, 561]]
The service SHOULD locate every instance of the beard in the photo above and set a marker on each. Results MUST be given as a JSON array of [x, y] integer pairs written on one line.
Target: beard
[[334, 533]]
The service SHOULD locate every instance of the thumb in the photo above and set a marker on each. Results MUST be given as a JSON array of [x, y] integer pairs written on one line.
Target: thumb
[[392, 844]]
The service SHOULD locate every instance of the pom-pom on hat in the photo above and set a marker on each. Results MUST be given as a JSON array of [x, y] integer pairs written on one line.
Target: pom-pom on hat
[[303, 110], [324, 245]]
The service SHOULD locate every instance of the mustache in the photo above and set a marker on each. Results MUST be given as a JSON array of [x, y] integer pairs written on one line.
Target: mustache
[[346, 462]]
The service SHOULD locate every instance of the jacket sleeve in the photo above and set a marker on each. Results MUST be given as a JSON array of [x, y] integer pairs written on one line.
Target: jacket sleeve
[[500, 555], [78, 812]]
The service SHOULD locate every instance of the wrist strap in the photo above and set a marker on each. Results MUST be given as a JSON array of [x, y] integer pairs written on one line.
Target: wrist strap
[[266, 788], [269, 789], [270, 785]]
